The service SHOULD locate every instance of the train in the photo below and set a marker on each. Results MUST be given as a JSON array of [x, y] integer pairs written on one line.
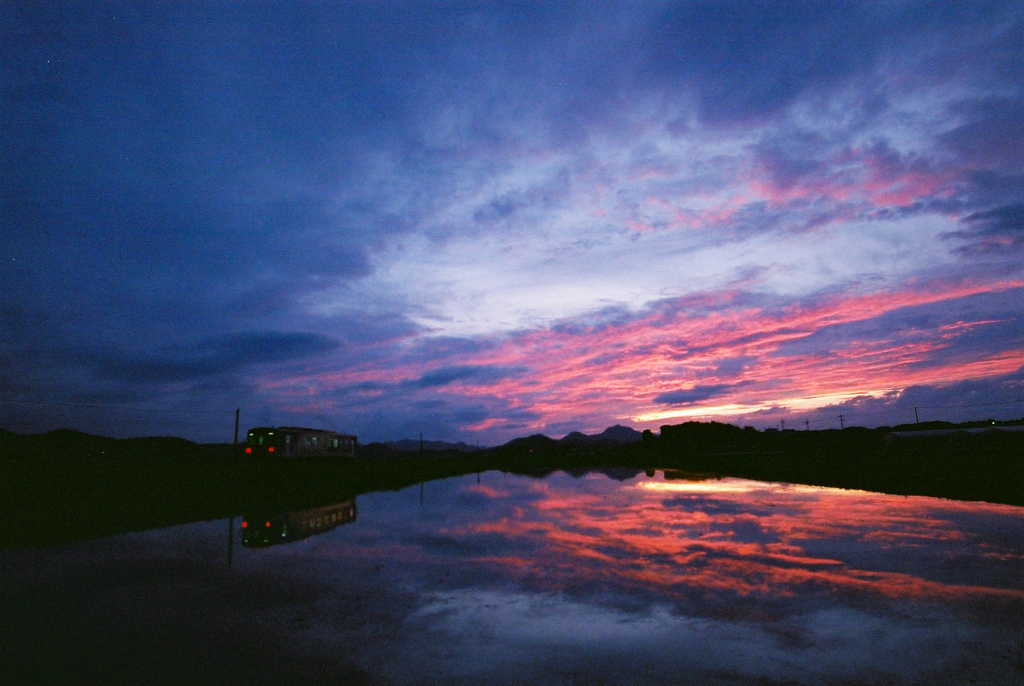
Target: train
[[297, 441], [263, 531]]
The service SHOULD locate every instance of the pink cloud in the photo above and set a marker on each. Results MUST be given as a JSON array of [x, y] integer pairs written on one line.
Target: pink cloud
[[677, 549], [603, 373]]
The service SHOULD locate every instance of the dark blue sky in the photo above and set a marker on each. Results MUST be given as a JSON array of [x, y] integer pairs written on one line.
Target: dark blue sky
[[481, 220]]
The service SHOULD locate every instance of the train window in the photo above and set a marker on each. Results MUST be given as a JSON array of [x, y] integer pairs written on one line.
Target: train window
[[334, 443]]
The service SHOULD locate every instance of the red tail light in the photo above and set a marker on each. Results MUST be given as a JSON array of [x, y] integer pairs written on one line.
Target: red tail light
[[245, 524], [248, 450], [268, 525], [270, 449]]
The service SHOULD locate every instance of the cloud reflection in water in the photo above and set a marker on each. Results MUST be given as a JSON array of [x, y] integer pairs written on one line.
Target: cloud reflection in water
[[570, 578], [728, 579]]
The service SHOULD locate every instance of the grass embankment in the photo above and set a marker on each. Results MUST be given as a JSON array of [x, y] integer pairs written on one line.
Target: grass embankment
[[66, 486], [988, 467]]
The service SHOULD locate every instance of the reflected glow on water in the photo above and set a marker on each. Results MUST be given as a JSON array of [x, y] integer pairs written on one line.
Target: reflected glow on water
[[761, 580], [715, 486], [743, 537], [615, 577]]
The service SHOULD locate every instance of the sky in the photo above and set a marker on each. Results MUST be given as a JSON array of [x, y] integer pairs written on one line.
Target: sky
[[478, 221]]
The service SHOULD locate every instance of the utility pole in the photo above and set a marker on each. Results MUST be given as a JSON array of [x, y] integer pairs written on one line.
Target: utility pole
[[231, 523], [783, 422], [841, 426], [917, 420], [421, 442], [808, 423]]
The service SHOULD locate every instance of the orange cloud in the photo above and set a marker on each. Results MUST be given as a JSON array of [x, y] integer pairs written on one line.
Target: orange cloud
[[634, 538]]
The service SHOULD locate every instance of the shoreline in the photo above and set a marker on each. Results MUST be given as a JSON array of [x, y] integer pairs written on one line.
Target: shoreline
[[64, 487]]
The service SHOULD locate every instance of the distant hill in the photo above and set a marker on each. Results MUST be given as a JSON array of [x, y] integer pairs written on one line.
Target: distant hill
[[617, 473], [539, 444], [412, 445], [73, 444], [613, 435]]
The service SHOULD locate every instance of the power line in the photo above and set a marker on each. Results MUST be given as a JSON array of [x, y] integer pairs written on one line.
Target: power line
[[950, 407], [153, 421], [932, 407], [112, 407], [900, 410]]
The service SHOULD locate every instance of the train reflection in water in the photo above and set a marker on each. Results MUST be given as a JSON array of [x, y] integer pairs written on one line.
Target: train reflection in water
[[265, 531]]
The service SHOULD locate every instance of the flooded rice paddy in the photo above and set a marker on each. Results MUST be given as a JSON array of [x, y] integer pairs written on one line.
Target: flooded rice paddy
[[612, 577]]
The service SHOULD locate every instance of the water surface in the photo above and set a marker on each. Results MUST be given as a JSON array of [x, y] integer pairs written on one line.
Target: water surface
[[613, 577]]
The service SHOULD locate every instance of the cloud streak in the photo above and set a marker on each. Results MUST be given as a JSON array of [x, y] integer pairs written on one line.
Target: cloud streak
[[494, 220]]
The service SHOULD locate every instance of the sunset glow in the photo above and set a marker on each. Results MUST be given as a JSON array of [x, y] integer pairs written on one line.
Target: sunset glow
[[479, 222], [739, 537]]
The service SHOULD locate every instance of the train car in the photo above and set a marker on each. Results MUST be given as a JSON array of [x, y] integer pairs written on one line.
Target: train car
[[297, 441], [263, 531]]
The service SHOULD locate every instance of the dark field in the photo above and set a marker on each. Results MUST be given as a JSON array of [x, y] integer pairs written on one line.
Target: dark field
[[610, 575], [66, 486]]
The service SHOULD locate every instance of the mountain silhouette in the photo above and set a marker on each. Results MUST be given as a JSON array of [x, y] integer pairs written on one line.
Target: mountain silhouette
[[412, 445], [613, 435]]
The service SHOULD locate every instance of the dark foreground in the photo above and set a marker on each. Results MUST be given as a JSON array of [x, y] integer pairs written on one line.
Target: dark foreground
[[66, 486], [603, 576]]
